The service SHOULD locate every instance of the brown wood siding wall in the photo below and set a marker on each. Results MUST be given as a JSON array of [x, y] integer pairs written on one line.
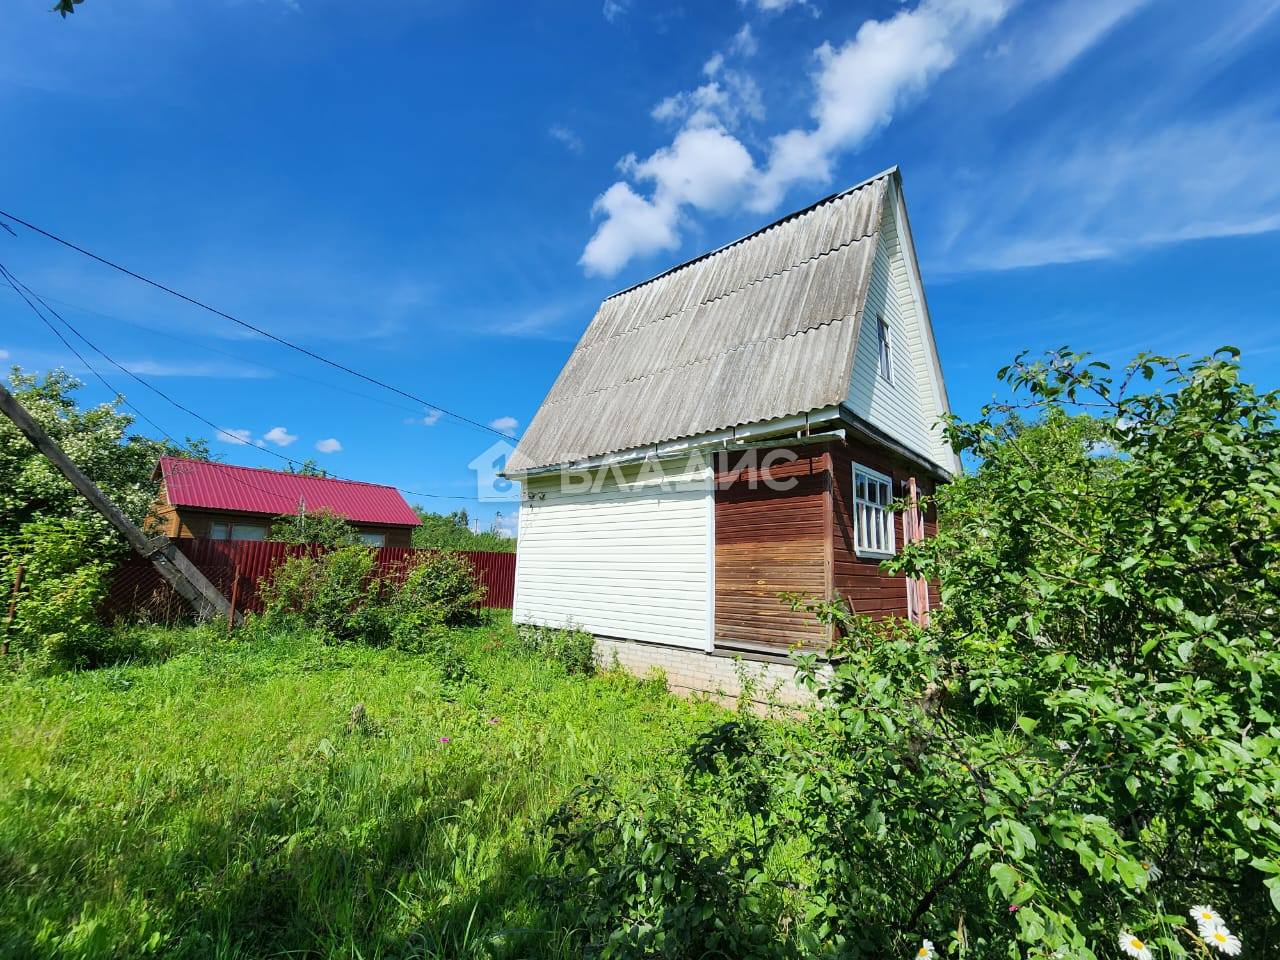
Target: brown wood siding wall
[[770, 541], [196, 523], [858, 579]]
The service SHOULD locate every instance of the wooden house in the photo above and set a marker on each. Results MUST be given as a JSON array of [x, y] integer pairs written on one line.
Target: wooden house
[[219, 501], [734, 429]]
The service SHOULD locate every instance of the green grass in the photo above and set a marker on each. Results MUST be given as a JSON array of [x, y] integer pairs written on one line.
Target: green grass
[[222, 804]]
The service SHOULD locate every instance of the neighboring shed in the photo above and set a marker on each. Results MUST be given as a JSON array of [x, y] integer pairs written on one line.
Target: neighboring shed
[[218, 501], [733, 429]]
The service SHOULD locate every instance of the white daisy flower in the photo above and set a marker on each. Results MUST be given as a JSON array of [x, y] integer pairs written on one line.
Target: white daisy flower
[[1222, 939], [1206, 918], [1153, 872], [926, 951], [1133, 946]]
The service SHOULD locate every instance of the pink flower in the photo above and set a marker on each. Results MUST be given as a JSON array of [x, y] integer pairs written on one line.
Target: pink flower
[[493, 720], [444, 739]]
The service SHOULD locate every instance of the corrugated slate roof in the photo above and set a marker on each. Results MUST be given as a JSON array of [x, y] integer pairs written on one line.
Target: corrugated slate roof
[[765, 327], [221, 486]]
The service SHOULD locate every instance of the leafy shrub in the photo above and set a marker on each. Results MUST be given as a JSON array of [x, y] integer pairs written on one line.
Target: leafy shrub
[[332, 592], [640, 874], [573, 648], [56, 621], [322, 527], [440, 590], [337, 593], [1079, 752]]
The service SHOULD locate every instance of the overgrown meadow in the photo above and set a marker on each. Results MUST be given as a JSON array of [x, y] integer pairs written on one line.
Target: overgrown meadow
[[280, 795], [1077, 759]]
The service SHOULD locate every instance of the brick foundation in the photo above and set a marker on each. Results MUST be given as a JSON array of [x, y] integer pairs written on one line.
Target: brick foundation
[[697, 672]]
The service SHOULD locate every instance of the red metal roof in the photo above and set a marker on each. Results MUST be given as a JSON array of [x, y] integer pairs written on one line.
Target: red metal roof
[[221, 486]]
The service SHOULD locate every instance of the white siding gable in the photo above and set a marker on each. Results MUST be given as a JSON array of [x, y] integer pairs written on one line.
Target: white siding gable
[[621, 552], [906, 405]]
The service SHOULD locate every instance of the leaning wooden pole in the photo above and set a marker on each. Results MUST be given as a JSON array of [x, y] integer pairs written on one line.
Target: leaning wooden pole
[[184, 576]]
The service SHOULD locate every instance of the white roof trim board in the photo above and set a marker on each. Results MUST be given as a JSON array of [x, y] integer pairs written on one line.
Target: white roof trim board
[[763, 328]]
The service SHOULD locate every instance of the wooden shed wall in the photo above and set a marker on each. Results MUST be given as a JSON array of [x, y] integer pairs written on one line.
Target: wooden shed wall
[[770, 541], [196, 523]]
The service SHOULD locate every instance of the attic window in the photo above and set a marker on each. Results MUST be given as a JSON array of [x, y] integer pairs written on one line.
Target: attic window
[[872, 513], [884, 338]]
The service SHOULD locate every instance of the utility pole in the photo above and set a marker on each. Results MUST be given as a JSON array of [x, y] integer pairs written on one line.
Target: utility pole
[[183, 575]]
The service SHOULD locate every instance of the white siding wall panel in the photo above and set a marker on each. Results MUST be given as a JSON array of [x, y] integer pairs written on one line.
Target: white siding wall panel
[[629, 560], [904, 408]]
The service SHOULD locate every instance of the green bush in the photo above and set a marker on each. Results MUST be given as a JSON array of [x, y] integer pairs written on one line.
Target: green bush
[[1078, 753], [440, 590], [338, 593], [573, 648], [322, 527], [56, 621], [333, 592]]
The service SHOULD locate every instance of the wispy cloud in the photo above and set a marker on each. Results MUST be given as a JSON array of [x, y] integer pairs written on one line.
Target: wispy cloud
[[507, 524], [331, 445], [279, 436], [1072, 197], [744, 42], [857, 88], [1038, 49], [572, 142], [235, 437], [506, 425], [429, 419], [614, 9], [4, 354], [157, 368], [772, 6]]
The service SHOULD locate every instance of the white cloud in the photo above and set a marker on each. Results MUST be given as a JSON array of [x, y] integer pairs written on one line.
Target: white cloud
[[1074, 196], [571, 140], [237, 437], [330, 445], [1041, 48], [858, 87], [704, 167], [744, 42], [4, 354], [772, 6], [506, 524], [155, 368], [861, 84], [632, 227], [506, 425], [432, 417], [614, 9], [279, 436]]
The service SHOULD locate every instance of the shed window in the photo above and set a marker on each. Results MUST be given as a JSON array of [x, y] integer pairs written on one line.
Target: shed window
[[885, 339], [219, 530], [872, 513], [373, 539]]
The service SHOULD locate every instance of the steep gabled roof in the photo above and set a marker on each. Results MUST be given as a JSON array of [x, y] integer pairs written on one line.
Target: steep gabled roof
[[765, 327], [221, 486]]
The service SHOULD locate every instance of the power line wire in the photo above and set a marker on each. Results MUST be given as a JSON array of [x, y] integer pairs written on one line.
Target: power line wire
[[19, 287], [14, 283], [45, 298], [248, 326]]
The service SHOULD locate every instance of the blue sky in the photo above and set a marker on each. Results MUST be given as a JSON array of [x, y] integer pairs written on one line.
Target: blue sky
[[438, 193]]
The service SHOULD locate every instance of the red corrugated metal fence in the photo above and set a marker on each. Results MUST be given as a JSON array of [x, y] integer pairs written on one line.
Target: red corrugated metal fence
[[236, 566]]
